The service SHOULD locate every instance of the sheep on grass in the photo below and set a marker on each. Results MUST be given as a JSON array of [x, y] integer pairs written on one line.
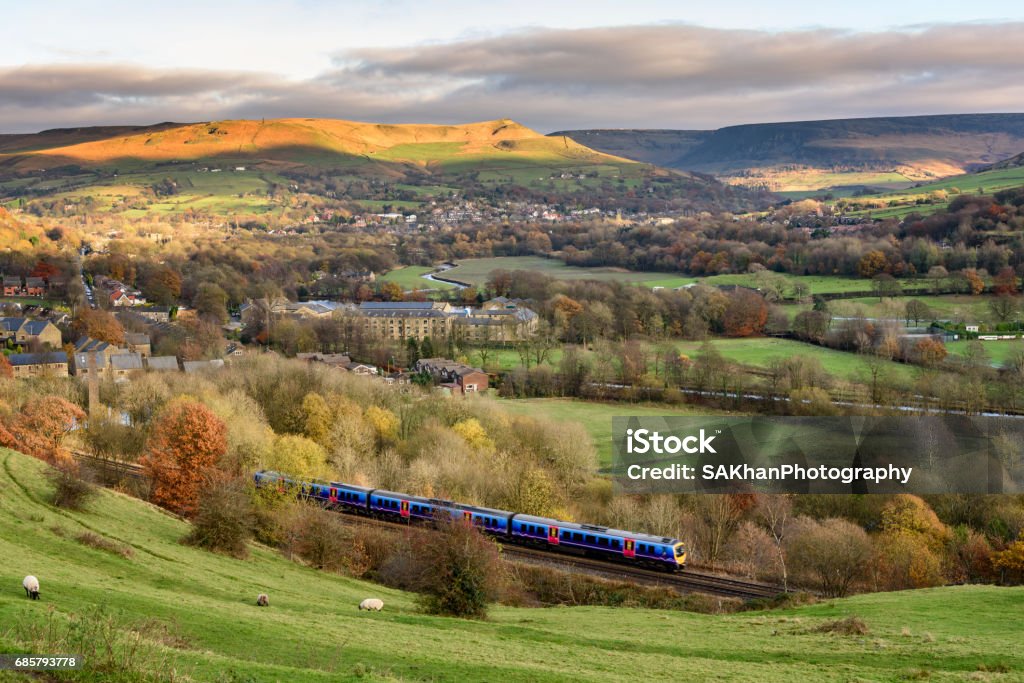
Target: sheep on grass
[[31, 585], [372, 604], [262, 600]]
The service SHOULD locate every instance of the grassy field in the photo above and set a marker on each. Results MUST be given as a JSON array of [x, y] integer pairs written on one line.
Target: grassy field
[[476, 271], [986, 182], [998, 352], [312, 631], [596, 417], [755, 352], [955, 307], [758, 352], [411, 277]]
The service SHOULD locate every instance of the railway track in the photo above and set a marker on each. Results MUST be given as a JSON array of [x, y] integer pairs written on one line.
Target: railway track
[[687, 581]]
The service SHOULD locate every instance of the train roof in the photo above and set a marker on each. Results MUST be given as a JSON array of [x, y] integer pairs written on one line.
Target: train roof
[[646, 538], [445, 503]]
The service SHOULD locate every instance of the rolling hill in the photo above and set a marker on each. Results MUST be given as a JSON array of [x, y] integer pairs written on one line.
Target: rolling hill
[[889, 152], [290, 143], [250, 167], [168, 611]]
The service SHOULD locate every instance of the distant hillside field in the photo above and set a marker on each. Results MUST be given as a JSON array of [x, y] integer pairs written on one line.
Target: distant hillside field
[[195, 617], [887, 152]]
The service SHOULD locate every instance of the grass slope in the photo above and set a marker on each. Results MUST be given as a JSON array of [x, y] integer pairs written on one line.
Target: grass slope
[[307, 142], [313, 632]]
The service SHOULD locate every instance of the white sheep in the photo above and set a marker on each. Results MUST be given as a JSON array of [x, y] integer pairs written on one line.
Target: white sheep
[[372, 604], [31, 585], [262, 600]]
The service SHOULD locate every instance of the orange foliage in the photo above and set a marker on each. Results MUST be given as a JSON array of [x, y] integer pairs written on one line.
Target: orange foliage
[[746, 314], [185, 445], [101, 325], [5, 367], [41, 426]]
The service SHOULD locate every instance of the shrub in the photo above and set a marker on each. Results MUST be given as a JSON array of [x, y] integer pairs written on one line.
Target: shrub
[[70, 491], [459, 570], [318, 537], [224, 518], [833, 553]]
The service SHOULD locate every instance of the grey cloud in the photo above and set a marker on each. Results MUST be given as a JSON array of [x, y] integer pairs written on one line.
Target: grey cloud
[[644, 76]]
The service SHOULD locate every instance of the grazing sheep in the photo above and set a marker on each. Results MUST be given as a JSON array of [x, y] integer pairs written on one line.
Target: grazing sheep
[[31, 585], [372, 604], [262, 600]]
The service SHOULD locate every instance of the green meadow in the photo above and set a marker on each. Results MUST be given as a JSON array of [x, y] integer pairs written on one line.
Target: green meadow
[[191, 616]]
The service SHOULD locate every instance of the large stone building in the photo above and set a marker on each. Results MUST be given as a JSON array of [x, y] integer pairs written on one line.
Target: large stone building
[[498, 320], [402, 320]]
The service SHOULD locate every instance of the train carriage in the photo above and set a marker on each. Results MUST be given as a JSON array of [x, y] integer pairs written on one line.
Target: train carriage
[[552, 534], [615, 544]]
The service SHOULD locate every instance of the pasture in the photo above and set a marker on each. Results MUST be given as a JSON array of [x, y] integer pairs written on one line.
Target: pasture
[[411, 277], [194, 617], [476, 271]]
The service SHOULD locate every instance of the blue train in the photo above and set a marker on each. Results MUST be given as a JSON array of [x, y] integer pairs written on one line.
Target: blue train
[[513, 527]]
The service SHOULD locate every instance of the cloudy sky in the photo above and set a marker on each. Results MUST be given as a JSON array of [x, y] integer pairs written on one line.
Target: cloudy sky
[[552, 65]]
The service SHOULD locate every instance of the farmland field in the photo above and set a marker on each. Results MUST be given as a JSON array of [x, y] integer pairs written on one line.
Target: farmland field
[[954, 307], [212, 631], [998, 352], [476, 271], [411, 277], [986, 182]]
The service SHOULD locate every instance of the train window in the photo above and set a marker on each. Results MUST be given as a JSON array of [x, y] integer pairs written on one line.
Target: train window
[[591, 539], [577, 537], [603, 542], [641, 548], [616, 544]]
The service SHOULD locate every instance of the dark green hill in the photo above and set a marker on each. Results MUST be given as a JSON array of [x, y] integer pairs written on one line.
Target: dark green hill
[[806, 155]]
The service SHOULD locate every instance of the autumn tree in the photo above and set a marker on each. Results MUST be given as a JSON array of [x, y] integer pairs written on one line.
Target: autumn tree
[[391, 291], [162, 285], [1005, 282], [319, 419], [872, 263], [745, 314], [975, 284], [5, 367], [211, 303], [298, 456], [930, 352], [41, 425], [186, 442], [98, 324]]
